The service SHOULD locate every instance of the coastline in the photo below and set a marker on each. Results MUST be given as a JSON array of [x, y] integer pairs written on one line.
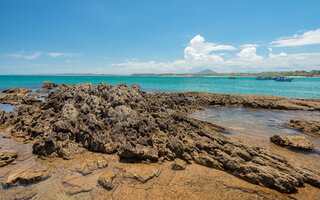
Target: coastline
[[58, 117]]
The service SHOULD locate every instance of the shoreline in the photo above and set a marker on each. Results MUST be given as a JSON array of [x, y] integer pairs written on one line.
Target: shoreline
[[145, 129]]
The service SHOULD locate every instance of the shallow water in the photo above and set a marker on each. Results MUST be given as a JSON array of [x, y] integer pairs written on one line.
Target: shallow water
[[255, 127], [6, 107]]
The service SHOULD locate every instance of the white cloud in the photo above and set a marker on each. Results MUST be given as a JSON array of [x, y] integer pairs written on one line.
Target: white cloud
[[249, 52], [198, 49], [26, 56], [307, 38], [56, 54], [198, 55]]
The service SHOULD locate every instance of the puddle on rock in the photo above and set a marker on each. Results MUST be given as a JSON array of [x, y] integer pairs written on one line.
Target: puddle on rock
[[255, 127]]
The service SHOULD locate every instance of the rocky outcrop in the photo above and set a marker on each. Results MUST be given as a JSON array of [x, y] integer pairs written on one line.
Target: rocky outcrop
[[25, 176], [42, 91], [48, 85], [293, 142], [16, 90], [304, 125], [16, 96], [8, 157], [6, 117], [254, 101], [140, 126]]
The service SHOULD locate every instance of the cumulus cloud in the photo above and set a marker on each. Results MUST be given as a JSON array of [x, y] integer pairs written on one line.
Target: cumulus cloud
[[29, 56], [307, 38], [198, 49], [200, 54], [249, 52]]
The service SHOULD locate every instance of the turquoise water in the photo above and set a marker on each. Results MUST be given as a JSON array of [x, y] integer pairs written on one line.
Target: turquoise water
[[298, 88]]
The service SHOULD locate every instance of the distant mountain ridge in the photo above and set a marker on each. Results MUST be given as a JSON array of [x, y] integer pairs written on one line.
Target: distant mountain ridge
[[207, 71]]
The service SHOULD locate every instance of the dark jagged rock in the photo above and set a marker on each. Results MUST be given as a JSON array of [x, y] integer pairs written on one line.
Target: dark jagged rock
[[7, 157], [139, 126], [254, 101], [48, 85], [294, 142], [304, 125], [6, 117]]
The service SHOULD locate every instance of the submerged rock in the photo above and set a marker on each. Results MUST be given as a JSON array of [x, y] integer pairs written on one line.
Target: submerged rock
[[140, 126], [42, 91], [8, 157], [304, 125], [25, 176], [106, 179], [48, 85], [74, 184], [294, 142]]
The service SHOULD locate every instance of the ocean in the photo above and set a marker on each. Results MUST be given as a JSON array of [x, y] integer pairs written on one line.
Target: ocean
[[298, 88]]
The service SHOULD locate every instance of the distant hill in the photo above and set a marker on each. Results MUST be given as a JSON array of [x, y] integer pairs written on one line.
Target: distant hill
[[206, 71]]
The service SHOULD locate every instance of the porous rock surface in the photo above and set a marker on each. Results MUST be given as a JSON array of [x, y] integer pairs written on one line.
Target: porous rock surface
[[48, 85], [304, 125], [294, 142], [141, 126], [8, 157], [254, 101]]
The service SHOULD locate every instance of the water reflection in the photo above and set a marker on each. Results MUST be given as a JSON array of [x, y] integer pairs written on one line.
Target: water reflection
[[257, 126]]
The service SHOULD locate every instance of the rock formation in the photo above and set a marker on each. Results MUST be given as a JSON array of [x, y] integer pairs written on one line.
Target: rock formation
[[48, 85], [7, 157], [304, 125], [42, 91], [254, 101], [140, 126], [293, 142]]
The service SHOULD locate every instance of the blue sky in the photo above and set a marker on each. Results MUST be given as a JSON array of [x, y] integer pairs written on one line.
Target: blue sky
[[75, 36]]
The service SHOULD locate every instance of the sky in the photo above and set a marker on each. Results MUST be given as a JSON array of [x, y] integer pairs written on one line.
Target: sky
[[167, 36]]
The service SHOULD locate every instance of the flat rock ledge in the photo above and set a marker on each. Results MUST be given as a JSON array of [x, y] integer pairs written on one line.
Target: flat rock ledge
[[144, 127], [254, 101], [24, 176], [293, 142], [304, 125], [8, 157]]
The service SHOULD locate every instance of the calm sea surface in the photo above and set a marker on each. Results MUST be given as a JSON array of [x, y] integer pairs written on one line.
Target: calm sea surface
[[298, 88]]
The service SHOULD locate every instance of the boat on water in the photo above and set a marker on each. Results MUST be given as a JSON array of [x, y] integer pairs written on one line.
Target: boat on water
[[265, 78], [232, 77], [282, 78]]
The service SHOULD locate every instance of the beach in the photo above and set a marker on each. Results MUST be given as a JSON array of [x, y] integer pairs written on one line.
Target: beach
[[108, 141]]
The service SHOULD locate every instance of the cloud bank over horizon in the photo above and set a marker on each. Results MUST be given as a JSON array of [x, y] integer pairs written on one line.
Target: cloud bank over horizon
[[200, 54]]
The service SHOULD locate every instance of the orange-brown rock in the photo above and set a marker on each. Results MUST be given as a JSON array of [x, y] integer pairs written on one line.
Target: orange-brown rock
[[304, 125], [8, 157], [25, 176], [294, 142]]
